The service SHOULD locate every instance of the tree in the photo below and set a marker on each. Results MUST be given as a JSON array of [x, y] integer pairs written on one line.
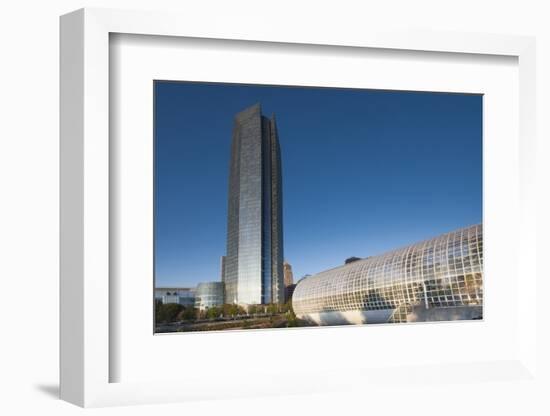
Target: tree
[[241, 310], [288, 306], [189, 313], [228, 310], [231, 310], [291, 320], [158, 305], [168, 312], [213, 312]]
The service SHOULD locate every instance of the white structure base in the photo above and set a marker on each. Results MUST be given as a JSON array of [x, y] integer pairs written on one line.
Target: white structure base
[[419, 314]]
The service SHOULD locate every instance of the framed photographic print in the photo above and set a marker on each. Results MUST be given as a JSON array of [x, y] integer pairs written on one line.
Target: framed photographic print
[[227, 199]]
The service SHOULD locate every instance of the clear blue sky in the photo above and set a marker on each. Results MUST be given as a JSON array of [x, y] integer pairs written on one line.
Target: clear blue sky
[[364, 172]]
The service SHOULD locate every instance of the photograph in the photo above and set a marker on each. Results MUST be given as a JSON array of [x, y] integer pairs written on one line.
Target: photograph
[[296, 206]]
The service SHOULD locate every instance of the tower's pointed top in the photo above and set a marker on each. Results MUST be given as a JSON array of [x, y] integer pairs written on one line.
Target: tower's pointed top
[[248, 112]]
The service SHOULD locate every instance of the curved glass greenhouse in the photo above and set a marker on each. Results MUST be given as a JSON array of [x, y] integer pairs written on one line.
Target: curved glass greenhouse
[[436, 279]]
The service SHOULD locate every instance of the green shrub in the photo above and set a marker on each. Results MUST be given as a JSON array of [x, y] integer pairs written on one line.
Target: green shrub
[[167, 312]]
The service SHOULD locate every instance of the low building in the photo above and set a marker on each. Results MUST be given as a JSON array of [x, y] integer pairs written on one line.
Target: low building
[[289, 290], [209, 294], [435, 280], [351, 259], [182, 295], [288, 275]]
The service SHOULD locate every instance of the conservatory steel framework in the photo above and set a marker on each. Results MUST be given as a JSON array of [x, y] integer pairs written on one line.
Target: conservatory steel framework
[[437, 279]]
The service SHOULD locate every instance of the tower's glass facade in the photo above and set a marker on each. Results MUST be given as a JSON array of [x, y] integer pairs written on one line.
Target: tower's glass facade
[[254, 259], [444, 272]]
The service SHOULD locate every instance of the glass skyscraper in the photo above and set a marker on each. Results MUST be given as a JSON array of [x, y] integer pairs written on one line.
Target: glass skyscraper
[[254, 258]]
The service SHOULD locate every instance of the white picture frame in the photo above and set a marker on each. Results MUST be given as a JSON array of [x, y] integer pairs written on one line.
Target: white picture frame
[[86, 164]]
